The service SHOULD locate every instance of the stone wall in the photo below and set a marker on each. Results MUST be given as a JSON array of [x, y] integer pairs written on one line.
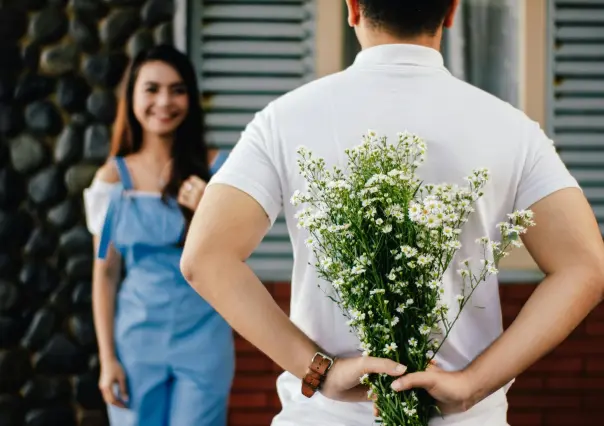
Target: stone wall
[[60, 63]]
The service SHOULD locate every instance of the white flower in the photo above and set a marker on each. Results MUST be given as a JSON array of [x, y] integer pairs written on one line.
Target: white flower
[[424, 330], [412, 342], [429, 354], [391, 347], [364, 380], [357, 270]]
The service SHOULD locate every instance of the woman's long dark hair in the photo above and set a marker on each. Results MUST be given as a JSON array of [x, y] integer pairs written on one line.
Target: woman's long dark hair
[[189, 151]]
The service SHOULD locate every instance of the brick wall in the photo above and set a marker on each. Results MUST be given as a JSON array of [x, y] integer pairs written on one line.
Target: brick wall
[[566, 388]]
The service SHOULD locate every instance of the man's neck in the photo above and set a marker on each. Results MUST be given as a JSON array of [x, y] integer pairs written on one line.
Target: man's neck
[[377, 38]]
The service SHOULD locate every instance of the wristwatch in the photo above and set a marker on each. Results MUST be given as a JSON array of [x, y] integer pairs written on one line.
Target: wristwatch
[[316, 373]]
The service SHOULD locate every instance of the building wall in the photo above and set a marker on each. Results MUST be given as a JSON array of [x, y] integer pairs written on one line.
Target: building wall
[[60, 62]]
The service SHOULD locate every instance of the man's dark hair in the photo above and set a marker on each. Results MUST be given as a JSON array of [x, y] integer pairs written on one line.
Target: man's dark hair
[[406, 18]]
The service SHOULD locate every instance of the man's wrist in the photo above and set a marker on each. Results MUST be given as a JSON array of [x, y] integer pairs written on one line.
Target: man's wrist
[[316, 373], [477, 387]]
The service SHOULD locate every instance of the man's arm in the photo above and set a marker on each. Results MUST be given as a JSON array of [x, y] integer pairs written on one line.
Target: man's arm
[[228, 225], [567, 245]]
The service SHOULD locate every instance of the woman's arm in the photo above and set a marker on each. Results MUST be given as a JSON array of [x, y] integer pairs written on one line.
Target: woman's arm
[[105, 279]]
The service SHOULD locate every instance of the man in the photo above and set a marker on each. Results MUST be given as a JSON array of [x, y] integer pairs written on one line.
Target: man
[[398, 82]]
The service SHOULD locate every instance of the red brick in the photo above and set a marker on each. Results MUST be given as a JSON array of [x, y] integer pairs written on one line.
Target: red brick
[[249, 400], [554, 364], [282, 292], [256, 364], [594, 401], [243, 346], [578, 347], [274, 401], [594, 328], [251, 418], [595, 365], [264, 382], [525, 418], [572, 417], [597, 314], [575, 383], [518, 292], [527, 383], [526, 400]]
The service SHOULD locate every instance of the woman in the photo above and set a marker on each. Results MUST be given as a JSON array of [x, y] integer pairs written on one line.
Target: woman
[[167, 358]]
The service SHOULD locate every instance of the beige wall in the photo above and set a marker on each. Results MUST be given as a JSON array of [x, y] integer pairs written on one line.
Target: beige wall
[[330, 57]]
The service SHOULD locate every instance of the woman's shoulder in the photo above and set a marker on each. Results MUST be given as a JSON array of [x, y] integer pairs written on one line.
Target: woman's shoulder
[[107, 173]]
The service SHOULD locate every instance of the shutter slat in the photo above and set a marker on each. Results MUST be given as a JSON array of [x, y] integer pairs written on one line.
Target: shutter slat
[[273, 248], [583, 158], [255, 48], [239, 102], [594, 194], [589, 177], [579, 16], [222, 138], [253, 51], [578, 68], [259, 12], [228, 120], [570, 86], [599, 212], [582, 34], [579, 122], [580, 105], [580, 51], [250, 84], [578, 140], [255, 31], [582, 3], [287, 67]]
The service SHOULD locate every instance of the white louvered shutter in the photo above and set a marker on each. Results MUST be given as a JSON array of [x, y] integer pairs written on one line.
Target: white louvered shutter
[[251, 52], [576, 92]]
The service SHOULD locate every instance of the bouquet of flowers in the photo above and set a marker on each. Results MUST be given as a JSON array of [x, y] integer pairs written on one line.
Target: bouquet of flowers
[[383, 239]]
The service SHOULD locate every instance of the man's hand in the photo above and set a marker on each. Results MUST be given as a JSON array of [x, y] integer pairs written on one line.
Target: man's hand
[[452, 390], [343, 379]]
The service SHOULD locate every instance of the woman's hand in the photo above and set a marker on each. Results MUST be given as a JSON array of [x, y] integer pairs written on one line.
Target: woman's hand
[[112, 373], [191, 191]]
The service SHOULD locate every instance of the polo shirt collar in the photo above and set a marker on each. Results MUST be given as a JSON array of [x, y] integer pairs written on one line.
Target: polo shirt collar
[[400, 54]]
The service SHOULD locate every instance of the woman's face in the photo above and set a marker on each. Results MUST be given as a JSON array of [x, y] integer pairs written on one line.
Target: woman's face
[[160, 101]]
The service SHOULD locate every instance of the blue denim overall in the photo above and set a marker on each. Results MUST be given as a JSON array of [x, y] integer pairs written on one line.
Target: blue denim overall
[[177, 352]]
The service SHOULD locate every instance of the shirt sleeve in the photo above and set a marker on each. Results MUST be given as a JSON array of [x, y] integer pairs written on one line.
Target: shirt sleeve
[[544, 172], [96, 204], [252, 165]]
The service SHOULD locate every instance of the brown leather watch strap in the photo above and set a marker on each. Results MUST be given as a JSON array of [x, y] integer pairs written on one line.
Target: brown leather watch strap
[[317, 371]]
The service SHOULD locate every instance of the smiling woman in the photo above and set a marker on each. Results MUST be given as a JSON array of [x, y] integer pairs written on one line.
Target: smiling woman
[[167, 357]]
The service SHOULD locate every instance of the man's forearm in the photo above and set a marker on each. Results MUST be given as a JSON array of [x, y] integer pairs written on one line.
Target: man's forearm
[[552, 312], [231, 287]]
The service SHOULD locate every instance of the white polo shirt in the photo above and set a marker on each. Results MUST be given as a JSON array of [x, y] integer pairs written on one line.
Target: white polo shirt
[[392, 88]]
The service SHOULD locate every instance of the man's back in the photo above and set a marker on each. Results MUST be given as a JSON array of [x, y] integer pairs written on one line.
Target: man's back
[[389, 89]]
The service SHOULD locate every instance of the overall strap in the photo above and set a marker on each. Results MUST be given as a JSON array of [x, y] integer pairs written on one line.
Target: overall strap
[[219, 160], [107, 230], [122, 169]]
